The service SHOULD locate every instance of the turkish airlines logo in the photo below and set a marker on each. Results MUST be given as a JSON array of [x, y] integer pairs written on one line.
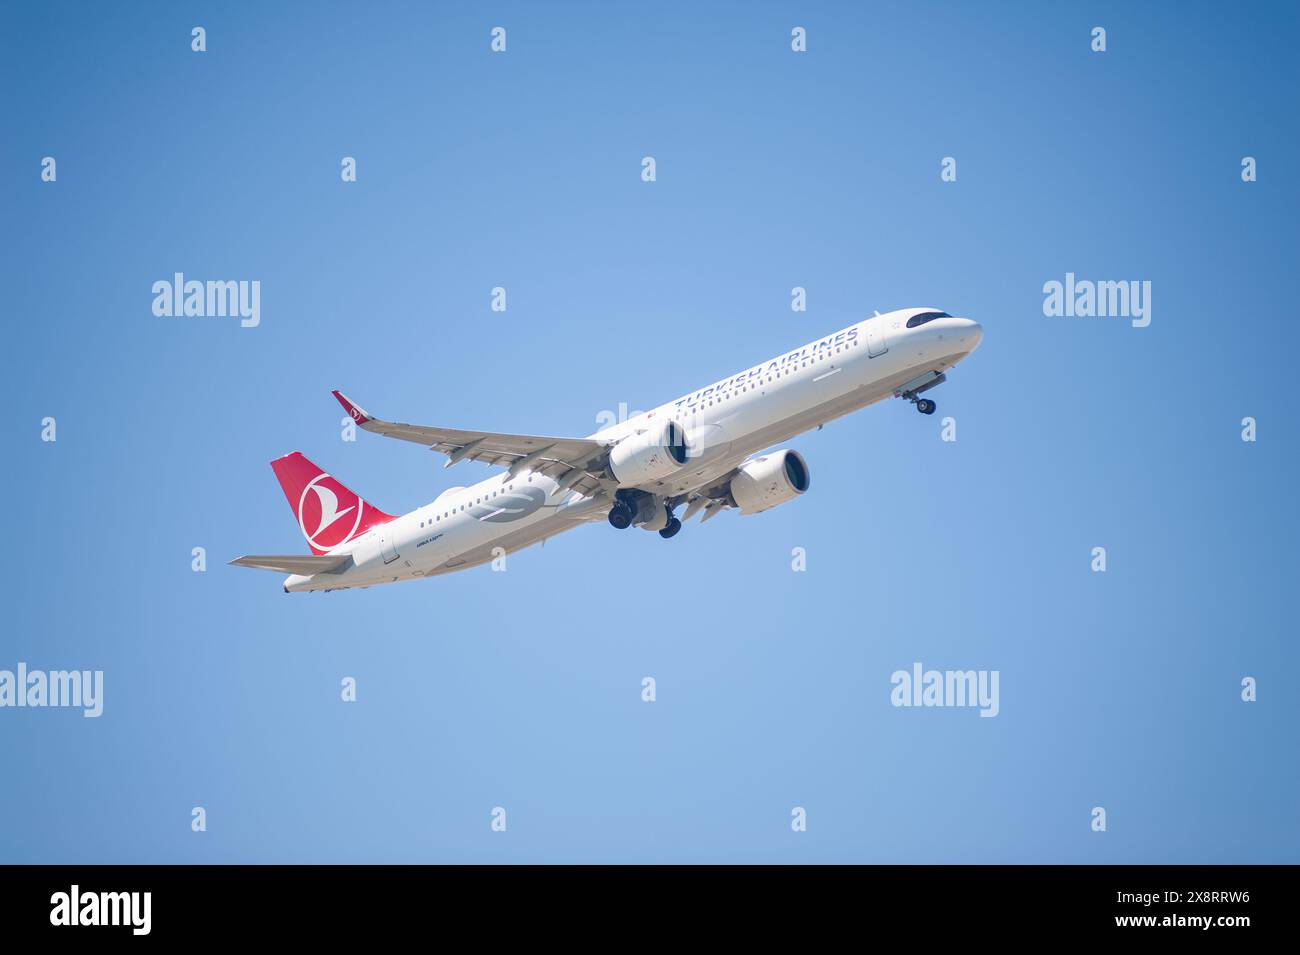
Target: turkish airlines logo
[[328, 513]]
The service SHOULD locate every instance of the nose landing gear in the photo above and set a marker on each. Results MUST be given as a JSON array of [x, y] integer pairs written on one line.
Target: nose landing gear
[[912, 390]]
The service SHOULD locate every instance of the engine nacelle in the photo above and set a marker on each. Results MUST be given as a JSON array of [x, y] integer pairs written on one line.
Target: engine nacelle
[[653, 454], [765, 482]]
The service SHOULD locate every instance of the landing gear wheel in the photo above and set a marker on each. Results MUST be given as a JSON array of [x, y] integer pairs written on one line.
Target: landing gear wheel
[[925, 406], [673, 527], [620, 516]]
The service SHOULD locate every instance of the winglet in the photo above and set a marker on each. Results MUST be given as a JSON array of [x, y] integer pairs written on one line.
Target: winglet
[[358, 415]]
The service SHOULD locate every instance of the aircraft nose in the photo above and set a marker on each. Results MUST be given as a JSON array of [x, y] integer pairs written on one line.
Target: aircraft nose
[[970, 332]]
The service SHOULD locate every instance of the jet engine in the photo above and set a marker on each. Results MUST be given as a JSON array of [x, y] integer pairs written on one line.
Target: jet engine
[[764, 482], [649, 454]]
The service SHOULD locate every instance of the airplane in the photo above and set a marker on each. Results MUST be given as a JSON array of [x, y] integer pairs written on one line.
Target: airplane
[[706, 450]]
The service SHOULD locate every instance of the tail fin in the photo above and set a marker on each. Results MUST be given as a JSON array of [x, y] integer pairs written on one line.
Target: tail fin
[[327, 512]]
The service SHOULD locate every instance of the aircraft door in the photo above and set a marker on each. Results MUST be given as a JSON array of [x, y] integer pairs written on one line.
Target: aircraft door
[[876, 344], [387, 548]]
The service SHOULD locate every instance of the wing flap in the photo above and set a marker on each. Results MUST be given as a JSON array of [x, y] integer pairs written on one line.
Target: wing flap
[[491, 447], [296, 563]]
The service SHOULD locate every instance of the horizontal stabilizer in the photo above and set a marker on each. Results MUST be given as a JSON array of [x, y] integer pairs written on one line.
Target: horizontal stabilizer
[[296, 563]]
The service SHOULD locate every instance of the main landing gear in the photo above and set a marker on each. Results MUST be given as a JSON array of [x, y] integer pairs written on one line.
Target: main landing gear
[[620, 516], [925, 406], [637, 507]]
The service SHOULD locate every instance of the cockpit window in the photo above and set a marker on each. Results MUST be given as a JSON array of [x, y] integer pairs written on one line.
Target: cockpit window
[[920, 318]]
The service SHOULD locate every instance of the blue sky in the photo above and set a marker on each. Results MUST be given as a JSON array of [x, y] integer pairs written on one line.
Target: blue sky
[[774, 169]]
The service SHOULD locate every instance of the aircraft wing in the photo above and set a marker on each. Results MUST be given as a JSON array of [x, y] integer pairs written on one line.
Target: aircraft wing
[[295, 563], [554, 457]]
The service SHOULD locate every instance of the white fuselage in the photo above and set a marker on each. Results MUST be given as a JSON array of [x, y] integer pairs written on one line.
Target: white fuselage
[[726, 422]]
